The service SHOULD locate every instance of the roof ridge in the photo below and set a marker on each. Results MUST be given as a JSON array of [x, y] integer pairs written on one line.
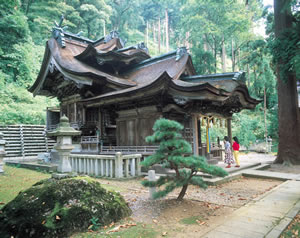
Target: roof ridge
[[179, 52], [240, 75]]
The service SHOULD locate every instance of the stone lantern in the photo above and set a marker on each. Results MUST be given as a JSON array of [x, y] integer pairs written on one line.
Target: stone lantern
[[64, 133], [2, 152]]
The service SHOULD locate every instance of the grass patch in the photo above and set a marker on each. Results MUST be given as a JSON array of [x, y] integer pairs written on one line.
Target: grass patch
[[112, 188], [191, 220], [293, 230], [15, 180], [140, 230]]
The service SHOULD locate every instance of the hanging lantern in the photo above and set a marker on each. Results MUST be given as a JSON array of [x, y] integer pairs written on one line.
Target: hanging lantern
[[203, 121]]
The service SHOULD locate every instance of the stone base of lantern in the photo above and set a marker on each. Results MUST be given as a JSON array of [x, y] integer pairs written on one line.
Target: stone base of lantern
[[1, 163], [1, 168]]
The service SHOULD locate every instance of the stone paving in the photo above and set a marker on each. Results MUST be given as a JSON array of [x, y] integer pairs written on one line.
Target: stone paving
[[266, 216]]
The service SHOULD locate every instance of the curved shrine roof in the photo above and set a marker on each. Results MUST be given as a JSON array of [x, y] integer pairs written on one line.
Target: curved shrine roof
[[131, 74]]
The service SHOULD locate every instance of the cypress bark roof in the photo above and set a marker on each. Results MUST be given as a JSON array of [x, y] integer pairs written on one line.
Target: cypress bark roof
[[104, 72]]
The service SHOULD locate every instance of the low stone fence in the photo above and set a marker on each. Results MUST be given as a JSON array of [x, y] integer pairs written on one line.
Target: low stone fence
[[114, 166]]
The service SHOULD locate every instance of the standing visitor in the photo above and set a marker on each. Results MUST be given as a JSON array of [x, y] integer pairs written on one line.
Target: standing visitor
[[236, 148], [228, 154]]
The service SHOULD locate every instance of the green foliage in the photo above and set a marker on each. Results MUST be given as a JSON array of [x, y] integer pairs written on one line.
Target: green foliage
[[286, 52], [175, 153], [204, 61], [248, 127], [95, 224], [25, 26], [19, 106]]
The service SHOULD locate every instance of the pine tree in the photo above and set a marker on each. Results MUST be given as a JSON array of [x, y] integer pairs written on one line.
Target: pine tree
[[176, 153]]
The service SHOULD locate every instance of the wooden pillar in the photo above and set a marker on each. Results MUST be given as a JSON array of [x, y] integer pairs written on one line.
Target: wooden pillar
[[207, 136], [199, 131], [83, 115], [75, 112], [229, 131], [195, 134]]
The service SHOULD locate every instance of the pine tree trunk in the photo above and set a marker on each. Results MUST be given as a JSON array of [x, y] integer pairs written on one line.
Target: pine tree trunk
[[288, 110], [182, 192]]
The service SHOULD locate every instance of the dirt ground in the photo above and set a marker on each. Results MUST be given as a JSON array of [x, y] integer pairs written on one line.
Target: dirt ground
[[199, 212]]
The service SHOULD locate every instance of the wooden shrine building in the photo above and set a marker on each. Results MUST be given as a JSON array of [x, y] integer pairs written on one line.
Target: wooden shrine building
[[114, 94]]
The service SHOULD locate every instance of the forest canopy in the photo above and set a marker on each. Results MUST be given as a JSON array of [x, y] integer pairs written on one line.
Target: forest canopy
[[218, 34]]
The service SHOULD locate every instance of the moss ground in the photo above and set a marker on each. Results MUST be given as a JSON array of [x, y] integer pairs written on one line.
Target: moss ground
[[140, 230], [49, 204]]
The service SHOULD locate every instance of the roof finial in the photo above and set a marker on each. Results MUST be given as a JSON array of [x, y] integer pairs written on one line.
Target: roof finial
[[58, 32], [180, 52]]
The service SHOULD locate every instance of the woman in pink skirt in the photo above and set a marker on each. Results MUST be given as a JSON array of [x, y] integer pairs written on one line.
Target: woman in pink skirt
[[228, 154]]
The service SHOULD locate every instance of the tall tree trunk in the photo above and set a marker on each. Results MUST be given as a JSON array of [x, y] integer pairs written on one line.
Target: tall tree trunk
[[147, 34], [248, 78], [265, 117], [159, 35], [28, 7], [104, 30], [154, 37], [187, 37], [223, 56], [288, 110], [215, 54], [238, 59], [232, 55], [163, 44], [205, 44], [167, 29], [182, 192]]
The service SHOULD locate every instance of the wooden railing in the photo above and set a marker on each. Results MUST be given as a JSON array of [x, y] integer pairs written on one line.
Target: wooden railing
[[75, 125], [89, 139], [114, 166], [129, 149]]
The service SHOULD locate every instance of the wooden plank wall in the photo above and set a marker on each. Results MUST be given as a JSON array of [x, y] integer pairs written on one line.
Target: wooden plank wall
[[26, 140]]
